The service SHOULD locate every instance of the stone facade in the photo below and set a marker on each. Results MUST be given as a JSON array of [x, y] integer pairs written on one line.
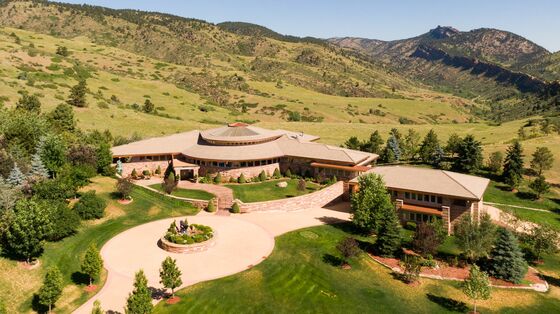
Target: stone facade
[[316, 199], [143, 165], [248, 172]]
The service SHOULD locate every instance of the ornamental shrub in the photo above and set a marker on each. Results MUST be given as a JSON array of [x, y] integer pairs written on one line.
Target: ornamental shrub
[[235, 208], [262, 176], [64, 219], [146, 172], [242, 179], [90, 206], [158, 170], [218, 178], [134, 173], [211, 206], [276, 174], [288, 173]]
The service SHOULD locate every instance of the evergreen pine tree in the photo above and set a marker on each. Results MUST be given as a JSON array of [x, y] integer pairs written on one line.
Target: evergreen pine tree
[[77, 96], [374, 143], [410, 145], [16, 177], [38, 169], [393, 145], [92, 263], [140, 300], [429, 147], [507, 258], [469, 154], [51, 290], [389, 235], [170, 275], [513, 165]]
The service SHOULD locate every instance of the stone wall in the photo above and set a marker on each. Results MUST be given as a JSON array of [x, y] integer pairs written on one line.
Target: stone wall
[[315, 199], [187, 248], [248, 172], [200, 204], [143, 165]]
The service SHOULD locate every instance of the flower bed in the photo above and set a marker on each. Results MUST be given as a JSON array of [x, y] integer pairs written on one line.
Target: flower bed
[[187, 238], [188, 234], [532, 280]]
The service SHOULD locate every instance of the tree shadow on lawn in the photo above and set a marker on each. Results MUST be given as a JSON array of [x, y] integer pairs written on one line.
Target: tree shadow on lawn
[[551, 280], [115, 195], [79, 278], [526, 196], [448, 303], [341, 224], [333, 260], [38, 307]]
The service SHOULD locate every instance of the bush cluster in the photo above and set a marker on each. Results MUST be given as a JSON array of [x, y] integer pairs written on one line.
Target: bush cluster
[[90, 206], [203, 233]]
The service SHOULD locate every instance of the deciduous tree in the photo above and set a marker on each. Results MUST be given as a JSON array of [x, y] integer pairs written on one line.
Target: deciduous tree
[[140, 299], [348, 247], [477, 285], [475, 238], [370, 202], [170, 275], [51, 290], [495, 162], [429, 147], [540, 186], [542, 160], [92, 263]]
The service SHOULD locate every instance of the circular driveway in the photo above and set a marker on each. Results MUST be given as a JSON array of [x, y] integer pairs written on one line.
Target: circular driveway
[[239, 245]]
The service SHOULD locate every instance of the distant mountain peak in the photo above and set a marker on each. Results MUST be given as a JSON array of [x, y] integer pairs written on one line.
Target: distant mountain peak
[[442, 32]]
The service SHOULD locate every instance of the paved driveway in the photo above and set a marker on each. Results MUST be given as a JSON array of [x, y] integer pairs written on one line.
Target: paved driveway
[[242, 241]]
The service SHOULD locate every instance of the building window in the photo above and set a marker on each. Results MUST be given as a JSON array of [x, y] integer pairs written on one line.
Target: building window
[[413, 196], [407, 195], [439, 200], [433, 198], [426, 198]]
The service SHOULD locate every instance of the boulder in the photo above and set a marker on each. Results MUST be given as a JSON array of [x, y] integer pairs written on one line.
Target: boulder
[[282, 184]]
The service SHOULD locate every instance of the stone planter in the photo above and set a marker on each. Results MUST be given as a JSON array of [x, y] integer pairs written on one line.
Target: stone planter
[[187, 248]]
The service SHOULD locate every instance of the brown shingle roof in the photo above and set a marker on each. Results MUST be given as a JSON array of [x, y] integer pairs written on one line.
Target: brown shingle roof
[[432, 181], [285, 144]]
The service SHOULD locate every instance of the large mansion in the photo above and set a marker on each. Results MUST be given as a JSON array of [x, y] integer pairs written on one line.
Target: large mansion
[[240, 148], [420, 194]]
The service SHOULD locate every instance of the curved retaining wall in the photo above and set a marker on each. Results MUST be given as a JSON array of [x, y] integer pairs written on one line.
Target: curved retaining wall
[[187, 248], [315, 199]]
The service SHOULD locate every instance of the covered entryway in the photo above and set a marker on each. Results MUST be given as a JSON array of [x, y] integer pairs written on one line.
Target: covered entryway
[[185, 170]]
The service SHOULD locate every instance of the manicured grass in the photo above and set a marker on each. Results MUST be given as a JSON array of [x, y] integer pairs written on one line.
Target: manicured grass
[[180, 192], [266, 191], [299, 277], [497, 193], [147, 206]]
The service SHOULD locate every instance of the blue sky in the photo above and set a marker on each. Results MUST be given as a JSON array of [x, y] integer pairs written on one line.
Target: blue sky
[[537, 20]]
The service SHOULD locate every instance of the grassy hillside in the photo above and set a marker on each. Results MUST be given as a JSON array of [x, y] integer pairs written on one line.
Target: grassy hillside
[[30, 63], [214, 53]]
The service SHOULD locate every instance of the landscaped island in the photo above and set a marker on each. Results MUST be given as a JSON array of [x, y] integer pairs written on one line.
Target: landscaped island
[[188, 234]]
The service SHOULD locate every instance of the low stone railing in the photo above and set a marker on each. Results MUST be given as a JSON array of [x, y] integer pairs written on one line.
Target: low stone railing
[[200, 204], [315, 199], [187, 248]]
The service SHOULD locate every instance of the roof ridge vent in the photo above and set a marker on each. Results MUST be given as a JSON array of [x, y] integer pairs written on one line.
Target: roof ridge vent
[[237, 125]]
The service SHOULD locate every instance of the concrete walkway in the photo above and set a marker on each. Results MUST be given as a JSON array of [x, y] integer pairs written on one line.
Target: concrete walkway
[[242, 242]]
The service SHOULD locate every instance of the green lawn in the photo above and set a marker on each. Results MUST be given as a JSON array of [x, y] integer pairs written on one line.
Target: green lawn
[[299, 277], [18, 285], [266, 191], [187, 193], [497, 193]]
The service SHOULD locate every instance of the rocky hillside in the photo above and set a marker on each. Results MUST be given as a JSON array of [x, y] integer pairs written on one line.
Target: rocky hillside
[[511, 74]]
